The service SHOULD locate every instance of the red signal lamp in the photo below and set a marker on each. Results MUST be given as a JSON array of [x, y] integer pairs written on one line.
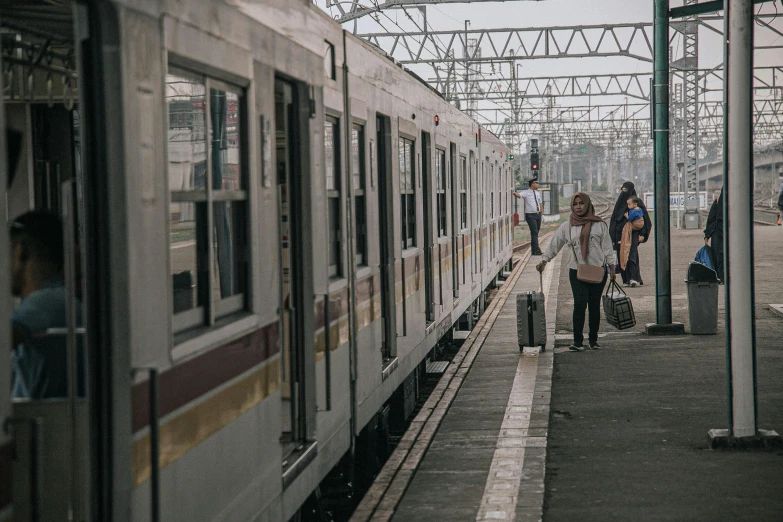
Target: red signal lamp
[[437, 120]]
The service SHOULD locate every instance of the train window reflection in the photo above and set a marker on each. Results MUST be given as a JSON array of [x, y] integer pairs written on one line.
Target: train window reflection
[[359, 194], [186, 100], [407, 193], [333, 186], [208, 211], [224, 132], [184, 255]]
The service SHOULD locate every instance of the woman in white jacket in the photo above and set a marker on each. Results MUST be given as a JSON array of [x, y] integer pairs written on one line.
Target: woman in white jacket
[[588, 238]]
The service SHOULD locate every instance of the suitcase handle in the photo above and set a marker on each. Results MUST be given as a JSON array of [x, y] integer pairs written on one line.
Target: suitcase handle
[[541, 281]]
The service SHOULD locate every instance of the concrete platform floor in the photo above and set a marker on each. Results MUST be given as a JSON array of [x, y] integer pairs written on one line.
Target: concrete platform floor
[[618, 433], [628, 430]]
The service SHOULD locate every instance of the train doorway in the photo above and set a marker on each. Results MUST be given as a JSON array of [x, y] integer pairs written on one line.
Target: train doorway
[[454, 219], [426, 174], [386, 235], [57, 406], [288, 158]]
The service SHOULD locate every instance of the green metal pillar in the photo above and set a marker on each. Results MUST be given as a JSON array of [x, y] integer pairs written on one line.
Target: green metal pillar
[[663, 283]]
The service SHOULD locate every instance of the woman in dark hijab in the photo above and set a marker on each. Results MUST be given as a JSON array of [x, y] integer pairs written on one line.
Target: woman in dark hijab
[[714, 233], [631, 275]]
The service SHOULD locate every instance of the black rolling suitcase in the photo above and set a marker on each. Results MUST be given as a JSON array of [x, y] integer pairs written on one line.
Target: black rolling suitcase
[[531, 318]]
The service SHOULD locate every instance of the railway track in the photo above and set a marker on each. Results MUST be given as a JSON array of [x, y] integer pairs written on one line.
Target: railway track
[[761, 216], [767, 216]]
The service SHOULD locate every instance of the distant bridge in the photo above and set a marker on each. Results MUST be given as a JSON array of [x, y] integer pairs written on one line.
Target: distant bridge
[[767, 165]]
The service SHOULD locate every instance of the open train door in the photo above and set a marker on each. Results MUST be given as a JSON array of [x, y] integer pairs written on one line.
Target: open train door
[[59, 450]]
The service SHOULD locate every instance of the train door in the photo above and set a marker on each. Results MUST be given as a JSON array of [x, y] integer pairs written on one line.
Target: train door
[[426, 173], [454, 219], [59, 412], [482, 215], [288, 163], [473, 215], [463, 212], [386, 234]]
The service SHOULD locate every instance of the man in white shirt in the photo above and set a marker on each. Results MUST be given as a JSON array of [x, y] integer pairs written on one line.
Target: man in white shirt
[[533, 208]]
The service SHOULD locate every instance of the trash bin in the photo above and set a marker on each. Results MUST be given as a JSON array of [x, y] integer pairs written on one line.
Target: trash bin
[[702, 283], [691, 221]]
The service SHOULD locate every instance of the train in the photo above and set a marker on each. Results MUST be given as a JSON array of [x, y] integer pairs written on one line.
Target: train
[[269, 224]]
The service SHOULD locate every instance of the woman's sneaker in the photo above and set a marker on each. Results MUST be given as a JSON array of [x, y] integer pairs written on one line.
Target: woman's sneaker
[[594, 345], [633, 283], [575, 348]]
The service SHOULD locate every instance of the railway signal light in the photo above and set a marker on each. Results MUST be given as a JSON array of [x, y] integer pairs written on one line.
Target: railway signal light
[[534, 161]]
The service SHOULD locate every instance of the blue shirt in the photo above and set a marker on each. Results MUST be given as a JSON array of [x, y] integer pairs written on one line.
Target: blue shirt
[[39, 367], [634, 214]]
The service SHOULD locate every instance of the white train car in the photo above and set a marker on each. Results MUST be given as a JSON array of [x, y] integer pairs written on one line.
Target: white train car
[[268, 226]]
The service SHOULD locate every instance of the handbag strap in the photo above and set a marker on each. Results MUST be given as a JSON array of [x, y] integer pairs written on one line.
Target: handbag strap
[[612, 285], [571, 243]]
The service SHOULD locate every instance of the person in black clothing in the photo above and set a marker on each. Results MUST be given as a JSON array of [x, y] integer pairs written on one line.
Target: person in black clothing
[[713, 234], [616, 224]]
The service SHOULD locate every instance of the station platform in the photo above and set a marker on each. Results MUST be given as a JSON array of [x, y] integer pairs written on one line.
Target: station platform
[[618, 433]]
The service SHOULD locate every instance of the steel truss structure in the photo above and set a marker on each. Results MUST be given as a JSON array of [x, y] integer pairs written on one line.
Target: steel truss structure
[[476, 69], [689, 64], [632, 85], [631, 40]]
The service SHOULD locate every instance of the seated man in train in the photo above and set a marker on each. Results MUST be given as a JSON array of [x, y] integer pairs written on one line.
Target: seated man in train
[[39, 357]]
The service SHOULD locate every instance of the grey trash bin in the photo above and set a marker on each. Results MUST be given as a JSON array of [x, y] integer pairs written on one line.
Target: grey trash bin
[[702, 286]]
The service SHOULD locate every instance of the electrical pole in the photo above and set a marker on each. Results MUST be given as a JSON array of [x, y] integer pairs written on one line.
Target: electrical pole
[[663, 283]]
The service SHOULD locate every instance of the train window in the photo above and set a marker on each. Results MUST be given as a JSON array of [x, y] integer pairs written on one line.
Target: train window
[[208, 223], [329, 66], [333, 186], [440, 191], [359, 199], [483, 190], [492, 191], [501, 184], [463, 193], [407, 193]]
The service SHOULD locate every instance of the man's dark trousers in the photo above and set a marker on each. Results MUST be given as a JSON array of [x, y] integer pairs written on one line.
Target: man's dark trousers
[[534, 222]]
